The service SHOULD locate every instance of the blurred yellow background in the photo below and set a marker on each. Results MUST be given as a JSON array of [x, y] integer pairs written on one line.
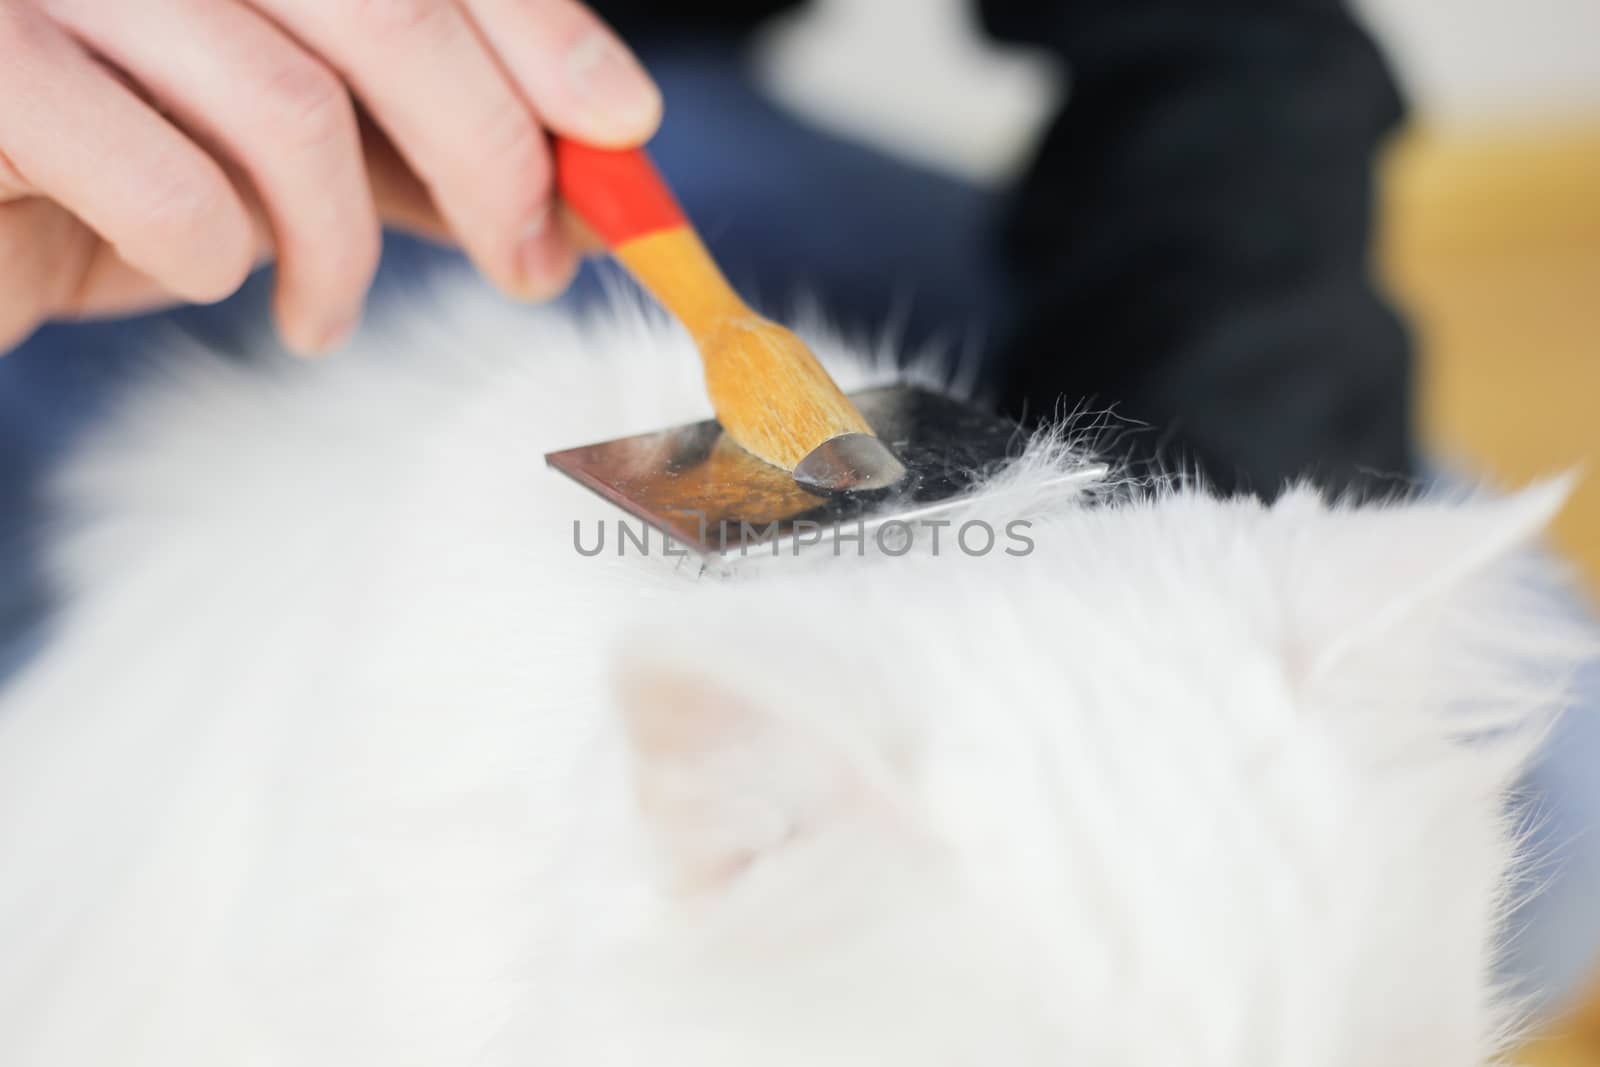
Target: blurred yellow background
[[1491, 241], [1492, 244]]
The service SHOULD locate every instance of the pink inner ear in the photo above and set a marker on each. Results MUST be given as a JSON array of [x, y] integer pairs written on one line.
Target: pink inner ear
[[720, 779], [708, 772], [673, 715]]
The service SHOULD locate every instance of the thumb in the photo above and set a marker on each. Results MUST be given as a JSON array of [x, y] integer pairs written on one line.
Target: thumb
[[52, 265], [41, 251]]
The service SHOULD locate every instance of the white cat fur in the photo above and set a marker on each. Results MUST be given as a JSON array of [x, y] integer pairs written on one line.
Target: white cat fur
[[341, 756]]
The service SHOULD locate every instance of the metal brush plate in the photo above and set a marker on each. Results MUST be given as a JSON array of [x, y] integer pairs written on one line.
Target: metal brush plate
[[709, 495]]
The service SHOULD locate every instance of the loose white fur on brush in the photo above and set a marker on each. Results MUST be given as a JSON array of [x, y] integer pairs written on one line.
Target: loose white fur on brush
[[340, 755]]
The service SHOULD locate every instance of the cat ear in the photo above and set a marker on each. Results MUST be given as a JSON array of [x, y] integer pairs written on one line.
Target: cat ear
[[1357, 574], [725, 771]]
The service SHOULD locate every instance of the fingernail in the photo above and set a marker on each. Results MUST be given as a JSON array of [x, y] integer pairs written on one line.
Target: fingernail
[[614, 85], [533, 254], [341, 335], [331, 339]]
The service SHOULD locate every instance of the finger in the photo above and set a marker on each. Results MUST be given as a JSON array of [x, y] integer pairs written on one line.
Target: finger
[[12, 187], [57, 267], [73, 133], [403, 201], [42, 249], [584, 239], [428, 79], [580, 78], [109, 287], [244, 87]]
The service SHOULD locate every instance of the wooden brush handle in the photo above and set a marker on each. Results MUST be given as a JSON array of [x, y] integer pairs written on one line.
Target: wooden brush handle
[[769, 392], [621, 196]]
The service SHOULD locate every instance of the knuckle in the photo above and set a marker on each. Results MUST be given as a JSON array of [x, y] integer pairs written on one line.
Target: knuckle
[[388, 19], [13, 36], [199, 218], [30, 46], [307, 104], [569, 23], [183, 204], [19, 29], [522, 159]]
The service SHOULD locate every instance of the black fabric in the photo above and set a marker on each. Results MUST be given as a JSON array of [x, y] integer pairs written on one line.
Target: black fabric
[[661, 18], [1191, 245], [1193, 240]]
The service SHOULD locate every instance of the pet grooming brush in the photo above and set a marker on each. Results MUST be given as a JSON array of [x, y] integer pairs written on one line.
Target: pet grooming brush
[[788, 451]]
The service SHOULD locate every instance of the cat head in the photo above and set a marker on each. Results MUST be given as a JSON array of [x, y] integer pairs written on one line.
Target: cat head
[[1196, 782]]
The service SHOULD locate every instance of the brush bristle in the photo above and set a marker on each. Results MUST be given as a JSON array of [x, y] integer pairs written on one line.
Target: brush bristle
[[770, 393]]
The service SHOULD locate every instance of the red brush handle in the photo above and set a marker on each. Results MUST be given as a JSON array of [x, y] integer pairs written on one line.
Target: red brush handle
[[618, 193]]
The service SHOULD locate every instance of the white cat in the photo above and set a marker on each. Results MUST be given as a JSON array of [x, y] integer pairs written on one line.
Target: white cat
[[342, 755]]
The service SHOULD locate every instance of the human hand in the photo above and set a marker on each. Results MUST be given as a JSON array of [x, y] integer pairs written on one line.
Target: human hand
[[155, 151]]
